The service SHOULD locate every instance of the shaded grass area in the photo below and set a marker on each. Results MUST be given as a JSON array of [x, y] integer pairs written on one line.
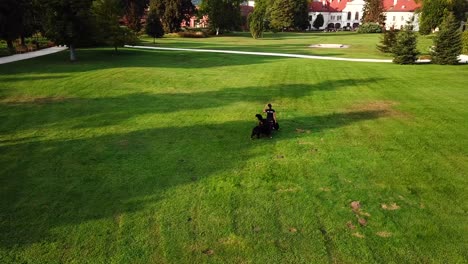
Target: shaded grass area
[[145, 156], [361, 45]]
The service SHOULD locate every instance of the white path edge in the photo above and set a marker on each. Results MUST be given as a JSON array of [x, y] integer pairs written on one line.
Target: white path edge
[[29, 55], [463, 58]]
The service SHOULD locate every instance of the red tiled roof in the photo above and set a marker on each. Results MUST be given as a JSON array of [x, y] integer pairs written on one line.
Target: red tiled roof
[[401, 6], [338, 6]]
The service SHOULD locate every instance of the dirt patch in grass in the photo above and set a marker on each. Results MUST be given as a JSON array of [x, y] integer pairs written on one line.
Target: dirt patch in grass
[[208, 252], [292, 230], [356, 206], [34, 100], [350, 225], [300, 131], [390, 207], [382, 108], [384, 234], [359, 235]]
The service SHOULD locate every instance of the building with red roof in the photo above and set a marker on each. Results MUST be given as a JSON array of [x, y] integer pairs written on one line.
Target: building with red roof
[[340, 14]]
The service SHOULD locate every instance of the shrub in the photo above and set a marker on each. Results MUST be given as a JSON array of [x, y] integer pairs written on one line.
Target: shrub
[[369, 28], [192, 34], [465, 42]]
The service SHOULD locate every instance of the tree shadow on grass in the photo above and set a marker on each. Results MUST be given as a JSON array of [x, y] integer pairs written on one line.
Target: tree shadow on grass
[[104, 58], [105, 111], [47, 184]]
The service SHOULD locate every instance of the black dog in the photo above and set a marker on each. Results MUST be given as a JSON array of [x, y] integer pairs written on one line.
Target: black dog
[[262, 128]]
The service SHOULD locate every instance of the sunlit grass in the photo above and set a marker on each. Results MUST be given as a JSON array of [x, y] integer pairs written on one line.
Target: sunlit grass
[[145, 157]]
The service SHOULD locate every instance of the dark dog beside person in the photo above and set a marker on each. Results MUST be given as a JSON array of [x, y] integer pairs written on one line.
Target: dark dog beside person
[[263, 127]]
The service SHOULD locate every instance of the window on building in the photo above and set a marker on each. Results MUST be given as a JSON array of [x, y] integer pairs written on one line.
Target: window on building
[[402, 18], [349, 15], [394, 18], [332, 18], [356, 16], [310, 18], [338, 18]]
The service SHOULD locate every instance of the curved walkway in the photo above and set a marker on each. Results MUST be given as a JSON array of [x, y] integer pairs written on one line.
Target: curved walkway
[[32, 54], [263, 54], [463, 58]]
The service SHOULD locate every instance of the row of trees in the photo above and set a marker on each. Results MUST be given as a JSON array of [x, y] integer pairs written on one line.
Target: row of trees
[[86, 22], [403, 45], [278, 15]]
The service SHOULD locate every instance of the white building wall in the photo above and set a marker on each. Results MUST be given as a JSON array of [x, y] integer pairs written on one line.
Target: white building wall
[[398, 20]]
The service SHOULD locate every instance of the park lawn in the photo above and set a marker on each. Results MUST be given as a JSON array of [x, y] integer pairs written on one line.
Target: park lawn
[[145, 157], [361, 45]]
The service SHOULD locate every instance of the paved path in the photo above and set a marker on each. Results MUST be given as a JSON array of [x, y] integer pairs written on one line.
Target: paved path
[[463, 58], [29, 55]]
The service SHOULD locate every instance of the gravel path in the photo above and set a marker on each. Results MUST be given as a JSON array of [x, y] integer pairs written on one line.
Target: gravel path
[[463, 58]]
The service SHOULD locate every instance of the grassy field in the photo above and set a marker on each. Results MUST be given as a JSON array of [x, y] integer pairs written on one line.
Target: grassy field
[[145, 157], [360, 45]]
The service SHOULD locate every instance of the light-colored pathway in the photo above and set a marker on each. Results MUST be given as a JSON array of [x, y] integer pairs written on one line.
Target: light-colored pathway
[[463, 58], [32, 54]]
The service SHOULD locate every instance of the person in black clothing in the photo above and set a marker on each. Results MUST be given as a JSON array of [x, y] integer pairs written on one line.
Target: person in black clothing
[[263, 127], [271, 117]]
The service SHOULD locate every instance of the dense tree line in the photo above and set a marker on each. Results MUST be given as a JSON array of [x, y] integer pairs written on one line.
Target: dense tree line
[[432, 13], [278, 15]]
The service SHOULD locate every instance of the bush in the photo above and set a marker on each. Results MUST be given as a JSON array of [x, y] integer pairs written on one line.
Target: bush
[[465, 42], [369, 28], [192, 34], [388, 41]]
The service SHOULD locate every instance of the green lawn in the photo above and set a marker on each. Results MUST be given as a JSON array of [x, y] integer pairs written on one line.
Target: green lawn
[[145, 157], [361, 45]]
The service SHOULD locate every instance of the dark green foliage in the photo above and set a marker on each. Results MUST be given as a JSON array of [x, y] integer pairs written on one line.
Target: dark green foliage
[[388, 41], [282, 14], [108, 13], [153, 25], [370, 28], [301, 15], [404, 50], [224, 15], [18, 19], [134, 11], [432, 13], [448, 42], [373, 11], [465, 42], [172, 12], [256, 24], [69, 22], [318, 22]]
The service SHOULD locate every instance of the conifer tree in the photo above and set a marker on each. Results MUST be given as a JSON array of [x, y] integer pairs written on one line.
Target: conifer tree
[[282, 14], [388, 41], [154, 27], [405, 51], [318, 22], [447, 43]]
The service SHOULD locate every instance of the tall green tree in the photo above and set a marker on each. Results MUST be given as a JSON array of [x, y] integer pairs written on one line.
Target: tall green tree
[[282, 14], [172, 12], [153, 26], [69, 22], [109, 31], [432, 13], [223, 15], [373, 11], [318, 22], [301, 15], [448, 41], [134, 10], [405, 49], [259, 18]]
